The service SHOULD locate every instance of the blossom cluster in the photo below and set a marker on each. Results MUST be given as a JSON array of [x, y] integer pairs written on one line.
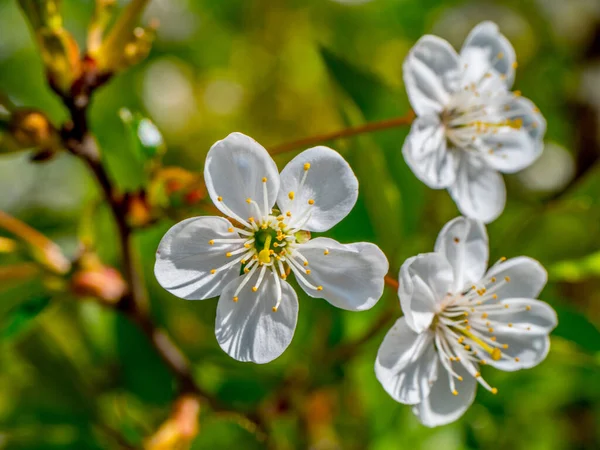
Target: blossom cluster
[[459, 314]]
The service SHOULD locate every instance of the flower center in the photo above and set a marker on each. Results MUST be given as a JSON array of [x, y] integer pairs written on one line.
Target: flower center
[[269, 241], [465, 328]]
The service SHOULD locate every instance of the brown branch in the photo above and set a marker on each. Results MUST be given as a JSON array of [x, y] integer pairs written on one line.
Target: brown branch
[[346, 132], [79, 141]]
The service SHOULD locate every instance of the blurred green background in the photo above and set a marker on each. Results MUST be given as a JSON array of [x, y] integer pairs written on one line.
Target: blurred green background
[[71, 371]]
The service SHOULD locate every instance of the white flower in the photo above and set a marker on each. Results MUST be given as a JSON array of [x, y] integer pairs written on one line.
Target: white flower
[[469, 125], [247, 259], [458, 316]]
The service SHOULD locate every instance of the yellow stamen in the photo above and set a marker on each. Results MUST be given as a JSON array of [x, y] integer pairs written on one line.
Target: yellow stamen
[[306, 166], [311, 202], [235, 299], [291, 195]]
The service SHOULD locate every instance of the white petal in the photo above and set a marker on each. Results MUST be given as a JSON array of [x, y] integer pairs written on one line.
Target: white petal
[[406, 364], [479, 192], [426, 153], [249, 329], [523, 352], [352, 275], [430, 72], [511, 150], [527, 316], [424, 282], [330, 184], [184, 258], [234, 170], [524, 327], [500, 53], [442, 407], [521, 277], [464, 243]]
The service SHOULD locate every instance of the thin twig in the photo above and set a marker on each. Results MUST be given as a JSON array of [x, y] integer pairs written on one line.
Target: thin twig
[[346, 132]]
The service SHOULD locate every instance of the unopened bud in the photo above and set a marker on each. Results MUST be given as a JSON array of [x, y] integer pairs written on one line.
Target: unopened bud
[[94, 279], [180, 429], [30, 128]]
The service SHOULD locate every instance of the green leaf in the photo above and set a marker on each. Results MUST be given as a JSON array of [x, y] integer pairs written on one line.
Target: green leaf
[[575, 327], [145, 139], [21, 317]]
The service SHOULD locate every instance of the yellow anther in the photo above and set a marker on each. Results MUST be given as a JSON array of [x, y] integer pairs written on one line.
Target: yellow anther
[[477, 374], [311, 202], [495, 296], [307, 271], [248, 200], [528, 308], [503, 258], [306, 166], [507, 279], [494, 391], [515, 65], [211, 242], [326, 252], [243, 261], [493, 338], [483, 362], [517, 93], [461, 339], [220, 198], [283, 277], [319, 288], [254, 288], [467, 347], [228, 254], [517, 359], [305, 263], [460, 378], [264, 180], [281, 225], [510, 325], [493, 280], [516, 123], [291, 195], [289, 214], [505, 346], [230, 229], [484, 316], [274, 308], [247, 245], [213, 271], [235, 299], [454, 392], [246, 270], [251, 219], [496, 354], [500, 55], [491, 330]]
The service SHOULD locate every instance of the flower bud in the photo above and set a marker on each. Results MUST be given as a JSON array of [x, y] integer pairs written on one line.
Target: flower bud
[[94, 279], [30, 128], [58, 48], [180, 429]]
